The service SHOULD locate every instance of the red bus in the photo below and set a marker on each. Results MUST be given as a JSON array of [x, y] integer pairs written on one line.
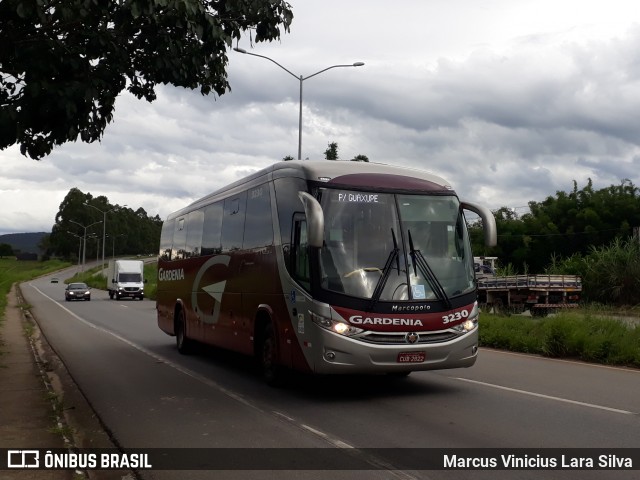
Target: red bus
[[325, 267]]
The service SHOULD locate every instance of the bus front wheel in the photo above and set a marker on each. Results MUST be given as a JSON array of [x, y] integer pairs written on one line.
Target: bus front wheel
[[272, 372]]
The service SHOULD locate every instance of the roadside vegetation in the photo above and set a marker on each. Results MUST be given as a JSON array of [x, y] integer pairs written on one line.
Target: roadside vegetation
[[610, 273], [12, 271], [591, 334]]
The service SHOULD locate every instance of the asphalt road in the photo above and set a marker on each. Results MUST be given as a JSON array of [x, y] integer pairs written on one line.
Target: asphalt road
[[149, 396]]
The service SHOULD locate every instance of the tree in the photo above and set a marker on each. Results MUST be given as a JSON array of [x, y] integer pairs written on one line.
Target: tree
[[5, 250], [331, 153], [360, 158], [287, 158], [137, 233], [559, 227], [63, 63]]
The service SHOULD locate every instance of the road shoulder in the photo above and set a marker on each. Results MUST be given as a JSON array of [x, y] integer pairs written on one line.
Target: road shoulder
[[40, 404]]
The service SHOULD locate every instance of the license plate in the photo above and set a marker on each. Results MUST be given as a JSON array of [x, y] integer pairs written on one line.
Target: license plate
[[411, 357]]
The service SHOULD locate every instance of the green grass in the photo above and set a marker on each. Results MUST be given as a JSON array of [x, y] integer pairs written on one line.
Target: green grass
[[584, 335], [12, 271]]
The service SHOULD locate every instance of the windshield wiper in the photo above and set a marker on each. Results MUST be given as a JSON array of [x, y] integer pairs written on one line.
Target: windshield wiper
[[421, 262], [394, 254]]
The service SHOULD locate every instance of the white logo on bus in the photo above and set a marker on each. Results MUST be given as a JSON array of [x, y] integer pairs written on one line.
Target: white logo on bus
[[171, 275], [406, 322], [215, 289]]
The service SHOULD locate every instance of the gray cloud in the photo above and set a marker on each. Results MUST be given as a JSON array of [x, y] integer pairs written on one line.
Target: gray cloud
[[507, 116]]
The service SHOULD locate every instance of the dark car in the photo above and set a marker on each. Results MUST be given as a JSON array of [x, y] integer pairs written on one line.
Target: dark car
[[77, 291]]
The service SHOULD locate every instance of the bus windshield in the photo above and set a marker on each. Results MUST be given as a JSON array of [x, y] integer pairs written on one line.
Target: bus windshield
[[394, 247]]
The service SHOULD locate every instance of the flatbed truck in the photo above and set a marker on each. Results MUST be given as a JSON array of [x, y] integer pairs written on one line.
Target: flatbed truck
[[540, 294]]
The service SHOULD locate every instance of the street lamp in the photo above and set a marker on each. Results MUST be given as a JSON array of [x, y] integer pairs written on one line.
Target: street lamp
[[84, 240], [97, 239], [301, 79], [104, 225], [113, 244]]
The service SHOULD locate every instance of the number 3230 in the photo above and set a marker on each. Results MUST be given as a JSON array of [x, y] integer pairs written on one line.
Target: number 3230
[[454, 317]]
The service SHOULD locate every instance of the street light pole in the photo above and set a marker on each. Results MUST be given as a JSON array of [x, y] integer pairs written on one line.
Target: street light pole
[[113, 244], [300, 79], [84, 240], [104, 225]]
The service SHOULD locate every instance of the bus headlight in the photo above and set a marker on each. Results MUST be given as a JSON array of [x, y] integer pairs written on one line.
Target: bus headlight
[[466, 326], [470, 323], [335, 326]]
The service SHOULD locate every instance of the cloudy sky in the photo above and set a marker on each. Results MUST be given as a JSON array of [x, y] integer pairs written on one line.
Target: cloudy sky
[[509, 100]]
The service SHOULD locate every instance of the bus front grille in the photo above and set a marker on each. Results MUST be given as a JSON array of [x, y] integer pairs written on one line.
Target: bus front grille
[[387, 338]]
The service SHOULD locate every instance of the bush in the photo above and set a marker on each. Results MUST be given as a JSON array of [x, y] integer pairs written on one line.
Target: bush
[[581, 335]]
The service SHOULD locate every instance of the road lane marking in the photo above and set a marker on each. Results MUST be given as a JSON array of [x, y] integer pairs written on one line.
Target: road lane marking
[[156, 357], [563, 360], [547, 397], [372, 460], [375, 462]]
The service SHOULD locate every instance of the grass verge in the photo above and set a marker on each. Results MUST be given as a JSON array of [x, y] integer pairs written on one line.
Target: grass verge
[[579, 334]]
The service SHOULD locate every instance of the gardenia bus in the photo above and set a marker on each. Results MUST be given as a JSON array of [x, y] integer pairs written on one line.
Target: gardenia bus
[[325, 267]]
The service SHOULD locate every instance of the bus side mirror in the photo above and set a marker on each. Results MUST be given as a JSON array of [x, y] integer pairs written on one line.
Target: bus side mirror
[[315, 219], [488, 222]]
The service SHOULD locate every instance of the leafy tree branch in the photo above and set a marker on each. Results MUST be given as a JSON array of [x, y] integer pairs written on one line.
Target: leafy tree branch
[[63, 63]]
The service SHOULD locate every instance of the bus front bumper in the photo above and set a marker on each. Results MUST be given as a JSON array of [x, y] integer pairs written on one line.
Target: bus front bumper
[[340, 354]]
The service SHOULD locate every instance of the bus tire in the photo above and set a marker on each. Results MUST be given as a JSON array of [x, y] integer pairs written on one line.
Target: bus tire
[[184, 344], [272, 373]]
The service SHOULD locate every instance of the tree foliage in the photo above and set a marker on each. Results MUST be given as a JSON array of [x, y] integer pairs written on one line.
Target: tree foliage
[[63, 63], [331, 153], [563, 225], [128, 231], [5, 250]]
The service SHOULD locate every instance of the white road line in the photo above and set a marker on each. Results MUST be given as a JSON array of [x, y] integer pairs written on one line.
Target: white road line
[[373, 461], [547, 397], [156, 357], [564, 360]]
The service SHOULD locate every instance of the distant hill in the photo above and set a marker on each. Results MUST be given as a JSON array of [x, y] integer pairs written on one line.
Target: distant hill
[[24, 242]]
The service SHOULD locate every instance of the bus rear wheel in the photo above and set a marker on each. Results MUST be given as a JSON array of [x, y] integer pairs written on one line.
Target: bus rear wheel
[[185, 346], [272, 373]]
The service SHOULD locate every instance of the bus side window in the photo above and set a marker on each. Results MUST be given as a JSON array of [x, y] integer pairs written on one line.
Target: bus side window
[[194, 233], [233, 222], [211, 229], [300, 257], [258, 227], [179, 239], [166, 240], [288, 204]]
